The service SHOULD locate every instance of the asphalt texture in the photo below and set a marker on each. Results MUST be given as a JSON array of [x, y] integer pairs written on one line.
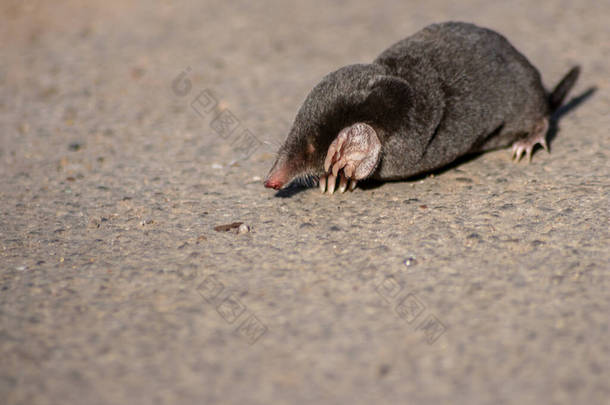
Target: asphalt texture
[[134, 137]]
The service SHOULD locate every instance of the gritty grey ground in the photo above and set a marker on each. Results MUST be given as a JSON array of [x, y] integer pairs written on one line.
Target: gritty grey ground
[[115, 288]]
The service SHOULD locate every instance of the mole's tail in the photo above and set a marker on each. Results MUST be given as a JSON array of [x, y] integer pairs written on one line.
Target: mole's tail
[[561, 90]]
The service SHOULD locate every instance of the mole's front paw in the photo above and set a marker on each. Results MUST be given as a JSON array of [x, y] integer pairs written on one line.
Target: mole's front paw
[[352, 156], [527, 144]]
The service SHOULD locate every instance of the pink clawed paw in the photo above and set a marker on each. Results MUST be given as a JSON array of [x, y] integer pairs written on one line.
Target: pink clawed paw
[[526, 145], [352, 156]]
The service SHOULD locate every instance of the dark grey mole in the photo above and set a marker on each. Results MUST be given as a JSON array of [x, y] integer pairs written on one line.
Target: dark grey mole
[[449, 90]]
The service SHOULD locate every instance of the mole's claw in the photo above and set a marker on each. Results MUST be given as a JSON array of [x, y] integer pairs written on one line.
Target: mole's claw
[[322, 183], [332, 181], [352, 185], [518, 149], [338, 166], [342, 183]]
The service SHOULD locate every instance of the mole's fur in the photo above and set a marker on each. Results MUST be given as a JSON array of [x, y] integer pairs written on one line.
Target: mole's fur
[[449, 90]]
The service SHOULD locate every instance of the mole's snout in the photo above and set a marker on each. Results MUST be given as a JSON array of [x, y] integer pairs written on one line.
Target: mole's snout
[[276, 185], [277, 177]]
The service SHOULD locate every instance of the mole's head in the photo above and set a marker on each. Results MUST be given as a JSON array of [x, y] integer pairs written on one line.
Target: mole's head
[[355, 94]]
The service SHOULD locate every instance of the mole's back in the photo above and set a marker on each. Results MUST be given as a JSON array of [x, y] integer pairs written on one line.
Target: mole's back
[[465, 57], [487, 86]]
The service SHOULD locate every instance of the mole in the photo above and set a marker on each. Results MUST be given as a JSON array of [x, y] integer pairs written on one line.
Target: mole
[[449, 90]]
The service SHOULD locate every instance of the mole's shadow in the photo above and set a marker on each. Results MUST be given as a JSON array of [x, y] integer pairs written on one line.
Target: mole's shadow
[[566, 108], [371, 184], [291, 190]]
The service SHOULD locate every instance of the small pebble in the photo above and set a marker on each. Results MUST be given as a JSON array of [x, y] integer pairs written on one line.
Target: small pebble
[[227, 227], [243, 228], [410, 261], [74, 146], [216, 166], [147, 221]]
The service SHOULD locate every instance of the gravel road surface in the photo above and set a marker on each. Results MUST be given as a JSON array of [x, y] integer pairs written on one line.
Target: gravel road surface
[[134, 137]]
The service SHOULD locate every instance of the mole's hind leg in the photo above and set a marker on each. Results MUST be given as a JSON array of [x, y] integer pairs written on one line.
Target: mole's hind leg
[[353, 155], [527, 144]]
